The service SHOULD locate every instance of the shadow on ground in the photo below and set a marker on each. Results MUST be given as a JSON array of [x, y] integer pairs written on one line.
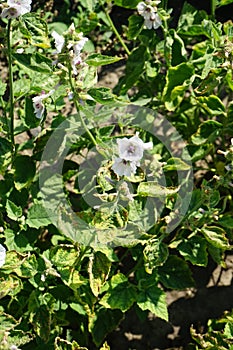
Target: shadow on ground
[[194, 308]]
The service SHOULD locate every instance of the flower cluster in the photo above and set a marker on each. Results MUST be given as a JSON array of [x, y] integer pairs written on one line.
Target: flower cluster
[[70, 46], [16, 8], [148, 10], [130, 153], [74, 46]]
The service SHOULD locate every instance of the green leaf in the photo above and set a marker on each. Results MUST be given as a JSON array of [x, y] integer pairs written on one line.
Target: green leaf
[[34, 28], [7, 322], [176, 164], [153, 189], [35, 62], [194, 250], [102, 322], [154, 300], [99, 268], [216, 236], [38, 216], [2, 87], [135, 26], [10, 285], [224, 2], [14, 212], [175, 274], [177, 82], [155, 254], [64, 255], [178, 51], [212, 105], [96, 60], [226, 221], [25, 169], [207, 131], [5, 154], [211, 80], [29, 117], [134, 68], [120, 295], [24, 265], [130, 4], [61, 344], [102, 95]]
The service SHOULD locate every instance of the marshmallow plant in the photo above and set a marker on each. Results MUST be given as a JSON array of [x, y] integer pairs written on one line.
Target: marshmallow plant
[[110, 195]]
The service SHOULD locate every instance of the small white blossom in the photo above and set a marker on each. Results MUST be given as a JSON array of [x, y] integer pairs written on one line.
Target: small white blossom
[[20, 50], [2, 255], [38, 104], [16, 8], [123, 167], [132, 149], [59, 41], [149, 13], [77, 60], [153, 22], [79, 45]]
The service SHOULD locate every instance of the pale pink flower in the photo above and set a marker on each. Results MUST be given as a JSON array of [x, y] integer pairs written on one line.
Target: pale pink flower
[[132, 149], [38, 103]]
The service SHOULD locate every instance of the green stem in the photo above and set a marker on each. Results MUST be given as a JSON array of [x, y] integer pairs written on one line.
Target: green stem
[[11, 87], [78, 110], [213, 8], [116, 32]]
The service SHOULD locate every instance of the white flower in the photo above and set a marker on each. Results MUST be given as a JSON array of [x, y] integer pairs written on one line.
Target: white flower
[[59, 41], [153, 22], [150, 15], [77, 60], [2, 255], [79, 45], [38, 104], [123, 167], [132, 149], [16, 8], [20, 50]]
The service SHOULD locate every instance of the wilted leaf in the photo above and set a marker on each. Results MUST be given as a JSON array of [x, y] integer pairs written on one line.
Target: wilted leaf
[[153, 189], [216, 236], [99, 268]]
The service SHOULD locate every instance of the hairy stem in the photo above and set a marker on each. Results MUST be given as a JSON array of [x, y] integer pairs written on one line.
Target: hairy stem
[[11, 87], [91, 137], [116, 32]]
